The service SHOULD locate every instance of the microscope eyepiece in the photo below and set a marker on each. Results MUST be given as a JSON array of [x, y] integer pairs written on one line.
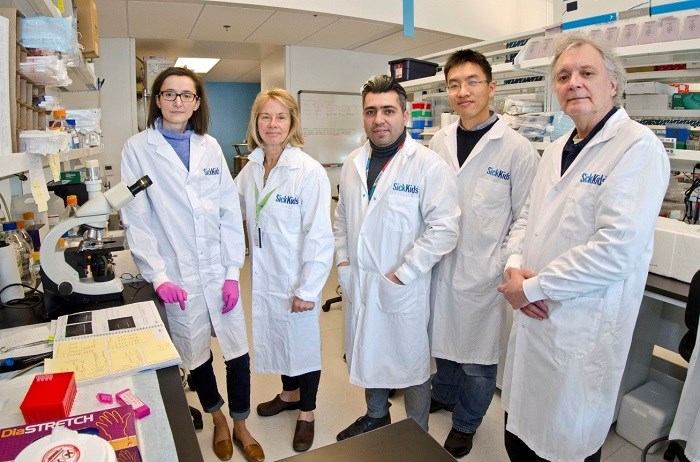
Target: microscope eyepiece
[[143, 183]]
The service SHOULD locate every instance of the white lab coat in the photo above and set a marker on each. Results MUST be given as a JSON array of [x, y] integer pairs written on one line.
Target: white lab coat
[[186, 229], [686, 424], [411, 222], [294, 259], [492, 186], [588, 237]]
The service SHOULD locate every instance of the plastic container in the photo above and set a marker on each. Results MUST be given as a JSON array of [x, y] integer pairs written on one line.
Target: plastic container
[[21, 204], [24, 232], [409, 69], [646, 413], [70, 212], [74, 135], [56, 206], [35, 267]]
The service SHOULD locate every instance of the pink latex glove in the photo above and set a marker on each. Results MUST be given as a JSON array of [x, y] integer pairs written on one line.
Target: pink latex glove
[[170, 293], [230, 295]]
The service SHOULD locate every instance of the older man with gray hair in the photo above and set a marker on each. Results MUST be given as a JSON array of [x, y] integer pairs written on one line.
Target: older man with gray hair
[[578, 260]]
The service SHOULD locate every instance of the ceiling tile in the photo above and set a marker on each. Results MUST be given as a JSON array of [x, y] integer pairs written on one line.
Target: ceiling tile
[[243, 22], [286, 28], [436, 47], [395, 43], [198, 49], [348, 34], [111, 16], [162, 20]]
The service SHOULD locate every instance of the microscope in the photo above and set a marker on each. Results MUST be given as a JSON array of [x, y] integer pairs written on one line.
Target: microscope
[[85, 273]]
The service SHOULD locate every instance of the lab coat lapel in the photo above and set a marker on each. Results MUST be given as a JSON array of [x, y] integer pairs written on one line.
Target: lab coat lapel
[[451, 144], [198, 146], [390, 173], [163, 149]]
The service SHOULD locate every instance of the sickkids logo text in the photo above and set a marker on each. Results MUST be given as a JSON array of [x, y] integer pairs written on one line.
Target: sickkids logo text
[[211, 171], [405, 187], [291, 200], [498, 173], [593, 178]]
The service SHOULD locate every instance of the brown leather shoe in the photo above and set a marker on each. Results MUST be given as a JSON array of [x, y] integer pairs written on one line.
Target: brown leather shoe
[[253, 452], [276, 406], [222, 449], [303, 436]]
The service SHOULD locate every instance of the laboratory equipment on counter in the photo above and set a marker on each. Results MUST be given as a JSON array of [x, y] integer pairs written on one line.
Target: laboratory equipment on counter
[[64, 271]]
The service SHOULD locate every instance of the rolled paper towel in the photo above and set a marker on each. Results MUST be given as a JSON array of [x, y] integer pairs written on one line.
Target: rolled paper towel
[[444, 119]]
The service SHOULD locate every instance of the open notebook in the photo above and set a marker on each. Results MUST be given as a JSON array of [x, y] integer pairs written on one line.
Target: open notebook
[[111, 342]]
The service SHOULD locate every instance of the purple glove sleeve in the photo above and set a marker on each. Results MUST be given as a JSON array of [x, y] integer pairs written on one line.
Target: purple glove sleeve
[[230, 295], [170, 293]]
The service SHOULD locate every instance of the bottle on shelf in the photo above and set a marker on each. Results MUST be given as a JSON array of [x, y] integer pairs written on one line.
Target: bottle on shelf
[[35, 268], [22, 230], [22, 252], [74, 135], [56, 206], [59, 120]]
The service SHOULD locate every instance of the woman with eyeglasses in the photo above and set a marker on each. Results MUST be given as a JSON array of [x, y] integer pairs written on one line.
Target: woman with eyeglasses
[[186, 237], [285, 199]]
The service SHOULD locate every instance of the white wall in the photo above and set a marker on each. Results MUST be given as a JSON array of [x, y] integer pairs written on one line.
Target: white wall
[[118, 98], [471, 18]]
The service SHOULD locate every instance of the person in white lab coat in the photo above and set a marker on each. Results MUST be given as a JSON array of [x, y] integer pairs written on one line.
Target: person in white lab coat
[[494, 167], [285, 198], [579, 256], [397, 214], [186, 237]]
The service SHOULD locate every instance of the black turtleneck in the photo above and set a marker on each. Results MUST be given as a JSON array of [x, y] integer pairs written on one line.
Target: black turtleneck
[[467, 139], [571, 149], [380, 156]]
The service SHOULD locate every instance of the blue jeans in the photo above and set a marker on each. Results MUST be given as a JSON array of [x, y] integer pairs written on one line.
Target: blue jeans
[[416, 398], [470, 387]]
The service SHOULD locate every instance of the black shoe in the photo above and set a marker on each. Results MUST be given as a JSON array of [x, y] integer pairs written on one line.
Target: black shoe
[[363, 425], [437, 405], [458, 443]]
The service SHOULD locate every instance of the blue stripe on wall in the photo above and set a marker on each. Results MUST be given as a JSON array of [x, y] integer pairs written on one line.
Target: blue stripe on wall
[[675, 6], [603, 18], [229, 105]]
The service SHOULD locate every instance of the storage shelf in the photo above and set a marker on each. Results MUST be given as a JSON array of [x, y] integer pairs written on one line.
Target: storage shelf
[[12, 164], [684, 159], [675, 113]]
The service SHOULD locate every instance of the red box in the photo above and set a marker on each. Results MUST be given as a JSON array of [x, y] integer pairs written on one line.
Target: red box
[[50, 397]]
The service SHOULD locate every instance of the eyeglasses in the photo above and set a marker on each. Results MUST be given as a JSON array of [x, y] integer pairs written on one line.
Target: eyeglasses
[[455, 87], [185, 96]]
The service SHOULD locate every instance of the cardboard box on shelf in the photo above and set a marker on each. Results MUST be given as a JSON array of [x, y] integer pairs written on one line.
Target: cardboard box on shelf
[[88, 29]]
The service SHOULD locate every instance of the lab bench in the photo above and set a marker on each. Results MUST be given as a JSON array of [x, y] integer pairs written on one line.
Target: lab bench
[[169, 379]]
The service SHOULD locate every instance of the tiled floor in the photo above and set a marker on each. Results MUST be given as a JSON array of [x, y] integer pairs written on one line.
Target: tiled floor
[[340, 403]]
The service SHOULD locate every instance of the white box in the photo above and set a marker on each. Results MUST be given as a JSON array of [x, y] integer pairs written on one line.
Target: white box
[[686, 255], [646, 413], [647, 102], [665, 234], [649, 88]]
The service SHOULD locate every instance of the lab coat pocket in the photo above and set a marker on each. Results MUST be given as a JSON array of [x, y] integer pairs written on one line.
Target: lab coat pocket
[[400, 213], [578, 218], [396, 298], [575, 326], [490, 198]]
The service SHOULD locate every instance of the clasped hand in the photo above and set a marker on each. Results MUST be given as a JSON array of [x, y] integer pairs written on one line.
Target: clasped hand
[[513, 292]]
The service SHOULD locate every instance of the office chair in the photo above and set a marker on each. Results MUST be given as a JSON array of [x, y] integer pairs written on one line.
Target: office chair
[[327, 304], [685, 349]]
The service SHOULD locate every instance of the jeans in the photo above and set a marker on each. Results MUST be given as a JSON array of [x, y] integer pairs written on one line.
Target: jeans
[[470, 387], [307, 384], [237, 386], [416, 398]]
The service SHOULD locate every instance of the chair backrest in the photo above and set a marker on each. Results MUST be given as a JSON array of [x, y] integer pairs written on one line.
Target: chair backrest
[[692, 317]]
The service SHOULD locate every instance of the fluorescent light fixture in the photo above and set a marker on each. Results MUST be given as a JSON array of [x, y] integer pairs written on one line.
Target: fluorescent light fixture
[[198, 65]]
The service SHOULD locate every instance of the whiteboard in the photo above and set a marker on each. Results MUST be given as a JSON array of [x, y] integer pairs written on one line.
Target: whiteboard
[[332, 125]]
